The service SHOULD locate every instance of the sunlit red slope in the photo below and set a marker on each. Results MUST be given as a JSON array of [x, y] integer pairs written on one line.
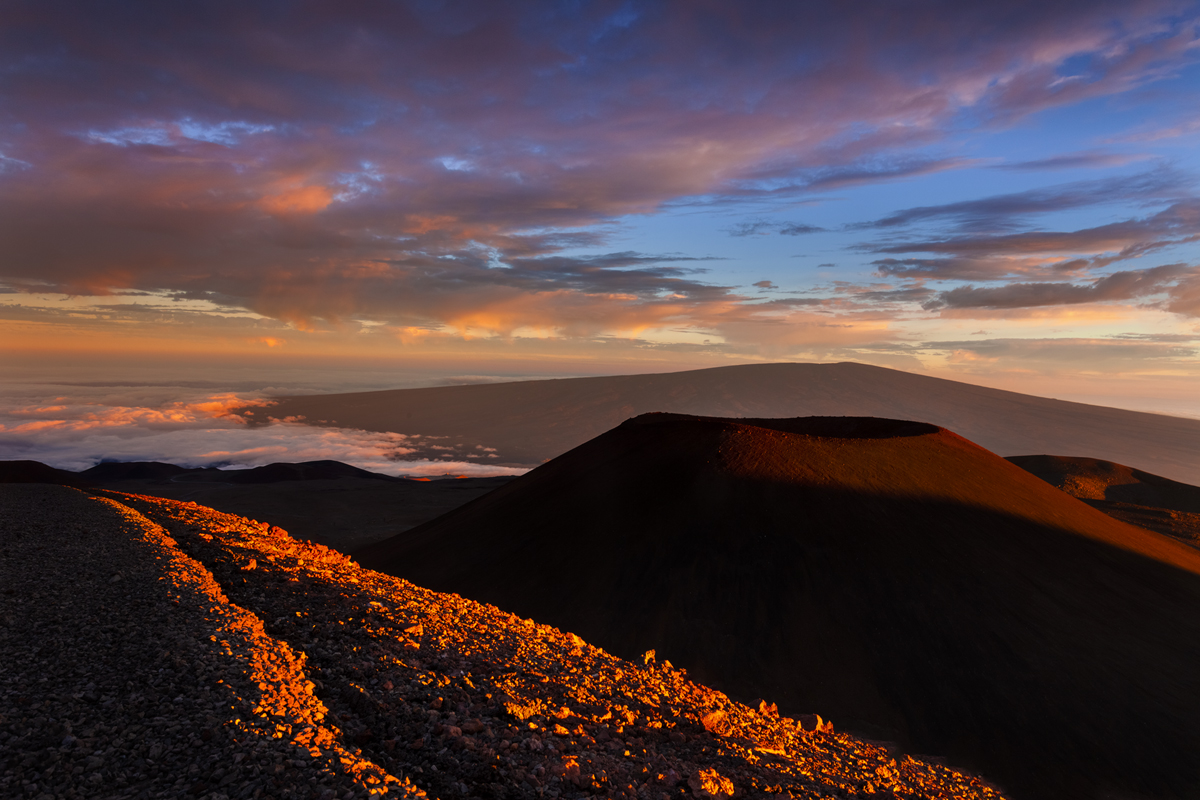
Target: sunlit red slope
[[890, 575], [1130, 495]]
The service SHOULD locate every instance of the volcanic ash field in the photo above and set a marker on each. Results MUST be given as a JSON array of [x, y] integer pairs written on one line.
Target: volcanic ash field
[[155, 648]]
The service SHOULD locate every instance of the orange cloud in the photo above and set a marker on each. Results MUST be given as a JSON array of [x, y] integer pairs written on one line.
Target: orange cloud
[[305, 200], [178, 414], [1061, 315], [419, 224]]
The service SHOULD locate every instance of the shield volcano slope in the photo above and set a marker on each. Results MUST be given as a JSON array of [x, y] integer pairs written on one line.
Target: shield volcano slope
[[890, 575], [530, 422]]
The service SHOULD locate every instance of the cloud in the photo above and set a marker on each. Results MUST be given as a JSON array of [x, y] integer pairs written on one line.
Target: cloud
[[421, 165], [994, 257], [573, 296], [1086, 160], [1177, 281], [755, 228], [1067, 352], [886, 294], [796, 229], [764, 227], [1158, 337], [1004, 212], [203, 432], [857, 174], [1186, 126], [1184, 297], [979, 268]]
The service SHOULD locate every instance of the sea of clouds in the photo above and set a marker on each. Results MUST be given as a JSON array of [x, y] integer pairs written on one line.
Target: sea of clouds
[[76, 426]]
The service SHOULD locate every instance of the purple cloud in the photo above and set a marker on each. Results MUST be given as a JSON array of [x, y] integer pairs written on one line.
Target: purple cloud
[[996, 257], [1086, 160], [765, 227], [1005, 212], [1178, 281], [428, 163]]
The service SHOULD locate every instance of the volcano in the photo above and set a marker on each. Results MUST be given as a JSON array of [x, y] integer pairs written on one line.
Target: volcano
[[1131, 495], [526, 423], [889, 575]]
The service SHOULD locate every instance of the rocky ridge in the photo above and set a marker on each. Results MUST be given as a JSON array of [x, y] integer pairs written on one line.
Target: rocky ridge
[[156, 648], [1130, 495]]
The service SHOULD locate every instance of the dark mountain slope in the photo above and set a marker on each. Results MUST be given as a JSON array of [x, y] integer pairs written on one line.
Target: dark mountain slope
[[134, 470], [1128, 494], [304, 471], [891, 575], [329, 502], [37, 472]]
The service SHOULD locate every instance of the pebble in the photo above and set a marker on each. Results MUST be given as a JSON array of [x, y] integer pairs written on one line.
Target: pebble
[[232, 661]]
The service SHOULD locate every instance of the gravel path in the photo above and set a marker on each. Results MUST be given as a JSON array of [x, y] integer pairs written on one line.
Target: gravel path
[[152, 648], [124, 673]]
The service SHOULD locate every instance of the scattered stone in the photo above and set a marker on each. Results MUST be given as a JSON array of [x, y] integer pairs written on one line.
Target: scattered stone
[[171, 682], [708, 783]]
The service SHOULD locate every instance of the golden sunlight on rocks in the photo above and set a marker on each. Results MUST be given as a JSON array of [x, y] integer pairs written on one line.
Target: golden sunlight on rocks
[[368, 685]]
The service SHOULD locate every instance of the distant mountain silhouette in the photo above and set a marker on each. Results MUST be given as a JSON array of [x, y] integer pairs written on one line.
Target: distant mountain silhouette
[[529, 422], [303, 471], [1131, 495], [116, 471], [133, 470], [37, 472], [328, 502], [890, 575]]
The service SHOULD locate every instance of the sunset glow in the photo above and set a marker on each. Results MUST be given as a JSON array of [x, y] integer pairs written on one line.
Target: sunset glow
[[1004, 194]]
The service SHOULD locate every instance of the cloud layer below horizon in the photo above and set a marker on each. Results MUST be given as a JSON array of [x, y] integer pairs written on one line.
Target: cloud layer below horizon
[[74, 433]]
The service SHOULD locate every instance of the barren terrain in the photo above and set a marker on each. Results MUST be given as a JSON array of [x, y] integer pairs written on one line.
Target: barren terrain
[[907, 582], [155, 648], [1130, 495], [326, 502]]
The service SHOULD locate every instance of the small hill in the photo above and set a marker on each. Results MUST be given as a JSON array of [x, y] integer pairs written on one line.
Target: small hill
[[892, 575], [1131, 495], [303, 471], [328, 502], [108, 471], [37, 472], [529, 422]]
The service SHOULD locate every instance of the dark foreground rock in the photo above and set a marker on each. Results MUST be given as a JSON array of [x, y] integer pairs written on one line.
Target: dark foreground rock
[[128, 674], [328, 502], [161, 649]]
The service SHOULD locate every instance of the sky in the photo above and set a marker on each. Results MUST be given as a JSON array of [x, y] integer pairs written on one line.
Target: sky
[[264, 197]]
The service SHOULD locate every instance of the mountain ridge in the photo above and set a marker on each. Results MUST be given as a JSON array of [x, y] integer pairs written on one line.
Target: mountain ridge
[[1131, 495], [529, 422]]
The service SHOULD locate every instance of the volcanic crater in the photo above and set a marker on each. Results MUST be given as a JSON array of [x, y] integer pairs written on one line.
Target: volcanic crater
[[893, 575]]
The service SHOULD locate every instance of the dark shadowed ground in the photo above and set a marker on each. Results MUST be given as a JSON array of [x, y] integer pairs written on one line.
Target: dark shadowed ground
[[892, 575], [327, 502], [342, 513]]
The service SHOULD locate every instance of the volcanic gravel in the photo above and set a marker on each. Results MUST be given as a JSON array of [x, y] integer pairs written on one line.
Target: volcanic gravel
[[126, 673], [152, 648]]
